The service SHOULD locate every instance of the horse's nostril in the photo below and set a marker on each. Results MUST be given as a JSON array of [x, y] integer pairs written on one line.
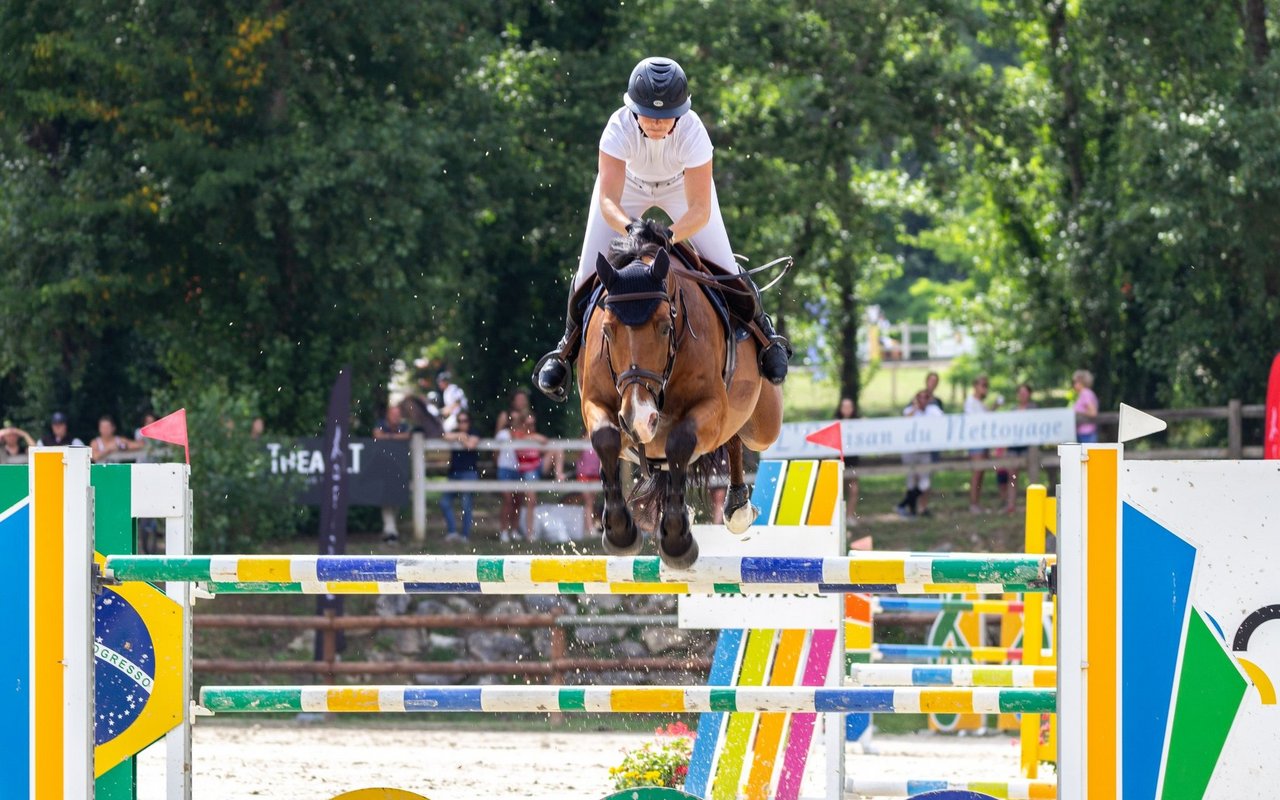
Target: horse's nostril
[[653, 421]]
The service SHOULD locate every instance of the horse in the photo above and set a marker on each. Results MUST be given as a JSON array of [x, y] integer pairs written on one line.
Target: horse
[[652, 380]]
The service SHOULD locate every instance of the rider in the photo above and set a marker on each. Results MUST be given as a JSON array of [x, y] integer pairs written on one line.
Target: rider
[[655, 152]]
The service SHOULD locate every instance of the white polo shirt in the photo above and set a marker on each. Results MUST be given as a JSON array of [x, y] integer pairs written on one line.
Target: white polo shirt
[[688, 145]]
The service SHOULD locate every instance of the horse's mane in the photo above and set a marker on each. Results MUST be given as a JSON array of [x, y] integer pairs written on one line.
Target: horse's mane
[[627, 249]]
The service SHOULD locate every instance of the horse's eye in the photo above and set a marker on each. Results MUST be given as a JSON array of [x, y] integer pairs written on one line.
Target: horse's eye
[[664, 329]]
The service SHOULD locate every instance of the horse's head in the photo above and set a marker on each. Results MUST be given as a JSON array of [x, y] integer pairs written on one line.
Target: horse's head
[[639, 338]]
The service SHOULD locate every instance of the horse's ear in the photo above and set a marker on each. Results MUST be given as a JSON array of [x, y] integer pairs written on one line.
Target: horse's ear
[[605, 270], [661, 263]]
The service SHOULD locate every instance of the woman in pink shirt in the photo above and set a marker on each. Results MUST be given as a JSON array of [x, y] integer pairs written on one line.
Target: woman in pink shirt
[[1086, 407]]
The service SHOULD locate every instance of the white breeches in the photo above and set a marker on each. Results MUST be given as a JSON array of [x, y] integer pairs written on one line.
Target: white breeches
[[712, 242]]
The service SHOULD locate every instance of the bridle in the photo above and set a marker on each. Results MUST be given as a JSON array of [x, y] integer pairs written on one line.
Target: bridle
[[652, 382]]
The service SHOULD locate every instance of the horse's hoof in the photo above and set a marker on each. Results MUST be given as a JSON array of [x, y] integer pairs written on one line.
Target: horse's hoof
[[683, 560], [739, 520], [631, 549]]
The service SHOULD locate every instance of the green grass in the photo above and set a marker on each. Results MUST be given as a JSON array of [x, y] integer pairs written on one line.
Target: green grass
[[885, 391]]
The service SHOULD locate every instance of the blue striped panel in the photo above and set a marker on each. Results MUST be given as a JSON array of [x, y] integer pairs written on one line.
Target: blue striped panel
[[429, 698], [351, 568], [15, 668], [940, 676], [767, 490], [862, 700], [724, 664], [757, 569]]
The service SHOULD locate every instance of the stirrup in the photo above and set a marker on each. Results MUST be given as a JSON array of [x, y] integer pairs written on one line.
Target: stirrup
[[778, 339], [558, 393]]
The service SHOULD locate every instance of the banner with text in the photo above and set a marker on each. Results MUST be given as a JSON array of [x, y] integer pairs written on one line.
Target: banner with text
[[377, 471], [881, 435]]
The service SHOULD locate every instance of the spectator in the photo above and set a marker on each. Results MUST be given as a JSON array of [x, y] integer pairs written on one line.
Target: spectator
[[587, 470], [391, 427], [931, 389], [1086, 407], [452, 400], [147, 444], [975, 403], [58, 435], [257, 428], [462, 467], [553, 462], [107, 444], [1006, 479], [509, 471], [847, 410], [529, 464], [519, 402], [14, 443], [919, 481]]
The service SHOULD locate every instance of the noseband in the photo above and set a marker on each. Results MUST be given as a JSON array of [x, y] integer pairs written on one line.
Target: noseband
[[652, 382]]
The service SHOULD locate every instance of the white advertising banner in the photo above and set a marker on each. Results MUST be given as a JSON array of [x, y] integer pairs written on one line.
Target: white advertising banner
[[879, 435], [780, 611]]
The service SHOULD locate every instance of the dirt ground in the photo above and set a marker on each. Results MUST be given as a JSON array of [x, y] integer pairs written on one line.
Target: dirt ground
[[317, 762]]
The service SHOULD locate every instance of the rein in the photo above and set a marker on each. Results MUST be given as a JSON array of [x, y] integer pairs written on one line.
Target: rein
[[722, 281]]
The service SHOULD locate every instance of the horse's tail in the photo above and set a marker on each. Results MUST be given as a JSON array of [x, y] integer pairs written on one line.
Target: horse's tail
[[645, 501]]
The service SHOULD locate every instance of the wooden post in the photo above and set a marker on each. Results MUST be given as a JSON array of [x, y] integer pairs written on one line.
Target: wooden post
[[559, 650], [1235, 429], [329, 649], [1033, 464]]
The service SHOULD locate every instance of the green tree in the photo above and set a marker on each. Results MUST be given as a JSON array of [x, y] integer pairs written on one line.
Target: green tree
[[1124, 186]]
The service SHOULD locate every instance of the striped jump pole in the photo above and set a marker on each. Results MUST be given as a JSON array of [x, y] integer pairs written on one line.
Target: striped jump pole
[[909, 787], [952, 675], [623, 699], [585, 574]]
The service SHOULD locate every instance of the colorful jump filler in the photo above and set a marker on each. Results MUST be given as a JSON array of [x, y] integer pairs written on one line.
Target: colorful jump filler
[[1167, 594]]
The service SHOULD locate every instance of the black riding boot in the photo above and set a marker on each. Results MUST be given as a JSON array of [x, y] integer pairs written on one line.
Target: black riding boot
[[551, 374], [775, 355]]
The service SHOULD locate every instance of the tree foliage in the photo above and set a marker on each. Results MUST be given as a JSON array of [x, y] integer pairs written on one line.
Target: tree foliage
[[258, 192]]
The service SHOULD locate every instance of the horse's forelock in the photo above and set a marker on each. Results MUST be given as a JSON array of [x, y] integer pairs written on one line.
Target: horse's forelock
[[634, 278]]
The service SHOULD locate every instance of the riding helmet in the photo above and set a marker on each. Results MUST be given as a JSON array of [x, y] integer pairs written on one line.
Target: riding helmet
[[658, 89]]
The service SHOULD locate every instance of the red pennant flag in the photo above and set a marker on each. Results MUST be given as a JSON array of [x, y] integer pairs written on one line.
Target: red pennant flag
[[1271, 420], [171, 429], [827, 437]]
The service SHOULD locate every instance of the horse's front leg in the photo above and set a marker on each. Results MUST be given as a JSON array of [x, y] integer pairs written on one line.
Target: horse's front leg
[[621, 537], [691, 436], [738, 511]]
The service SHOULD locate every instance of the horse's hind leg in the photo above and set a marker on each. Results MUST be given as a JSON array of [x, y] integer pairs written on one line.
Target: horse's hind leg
[[621, 537], [738, 511], [675, 537]]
